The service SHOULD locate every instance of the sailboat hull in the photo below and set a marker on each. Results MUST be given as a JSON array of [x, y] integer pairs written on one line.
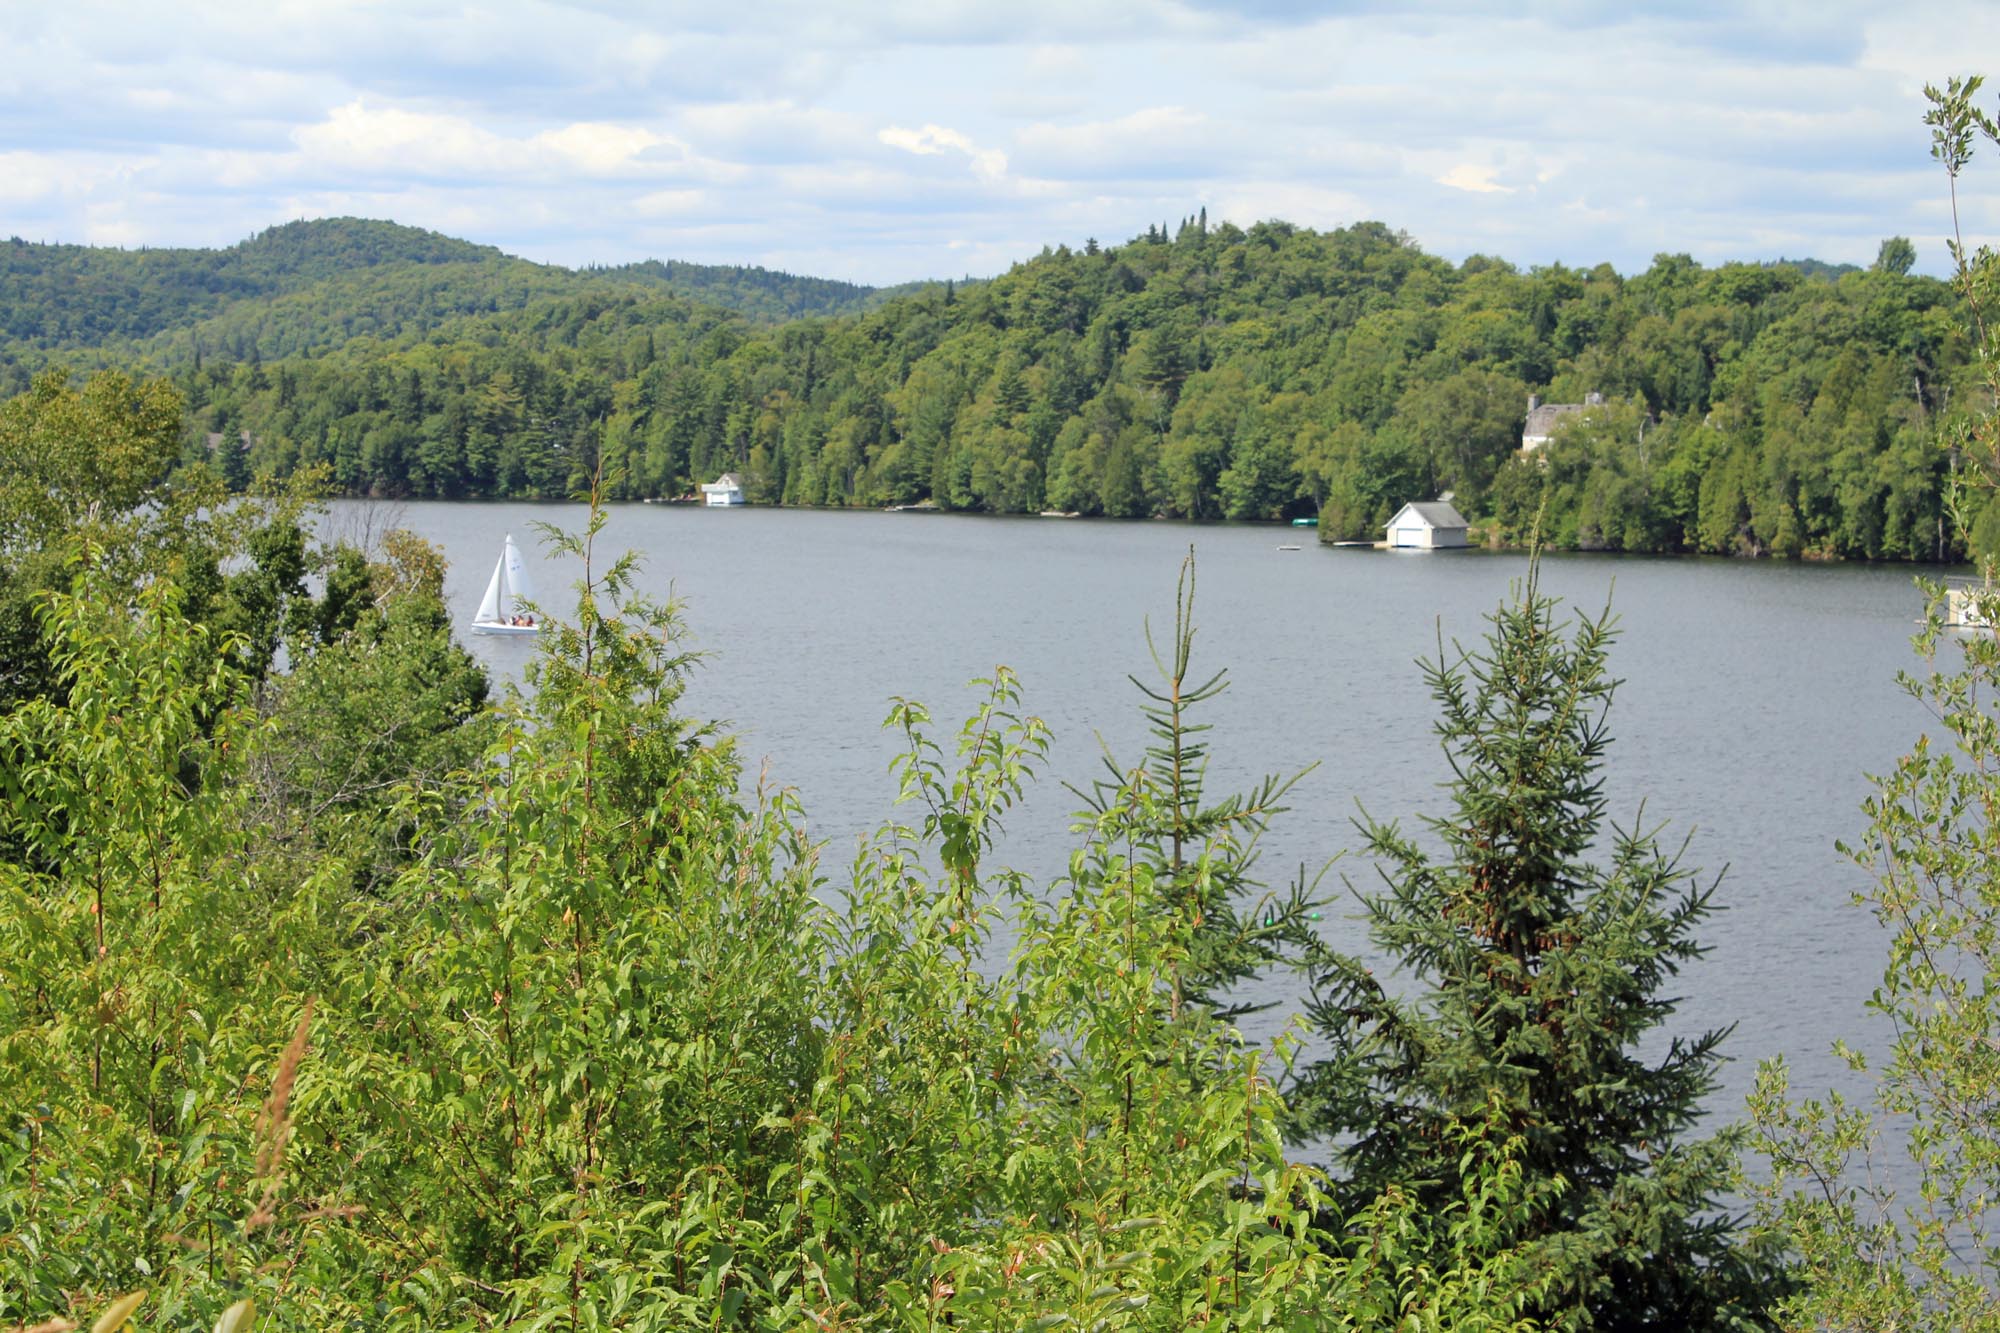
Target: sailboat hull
[[486, 627]]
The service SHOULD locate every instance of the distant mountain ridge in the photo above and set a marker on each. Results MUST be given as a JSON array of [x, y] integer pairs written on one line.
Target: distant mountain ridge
[[306, 286]]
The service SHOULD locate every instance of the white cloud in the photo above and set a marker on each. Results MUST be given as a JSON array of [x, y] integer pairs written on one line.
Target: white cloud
[[118, 231], [775, 131], [930, 139], [987, 163], [1473, 179], [29, 176], [832, 183], [670, 204], [1926, 42], [395, 141], [1160, 142], [392, 141], [1307, 205], [602, 150], [1060, 62]]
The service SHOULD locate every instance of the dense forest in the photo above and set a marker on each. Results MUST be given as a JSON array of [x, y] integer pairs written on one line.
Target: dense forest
[[1197, 372]]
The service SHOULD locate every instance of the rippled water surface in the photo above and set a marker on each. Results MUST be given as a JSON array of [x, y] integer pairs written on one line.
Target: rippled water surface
[[1756, 697]]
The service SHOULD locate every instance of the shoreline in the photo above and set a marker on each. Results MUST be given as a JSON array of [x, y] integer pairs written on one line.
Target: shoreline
[[1481, 547]]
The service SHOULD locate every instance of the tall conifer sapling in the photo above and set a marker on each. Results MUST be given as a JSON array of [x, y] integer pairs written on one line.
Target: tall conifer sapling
[[1539, 974]]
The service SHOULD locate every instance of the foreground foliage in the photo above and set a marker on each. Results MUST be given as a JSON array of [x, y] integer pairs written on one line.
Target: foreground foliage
[[329, 990], [1890, 1199], [591, 1042]]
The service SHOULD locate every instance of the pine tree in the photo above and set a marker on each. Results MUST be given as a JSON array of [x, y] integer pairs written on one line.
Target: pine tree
[[232, 456], [1538, 974], [1160, 819]]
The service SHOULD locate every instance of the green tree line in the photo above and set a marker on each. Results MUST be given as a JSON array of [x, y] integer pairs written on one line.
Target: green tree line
[[1216, 372]]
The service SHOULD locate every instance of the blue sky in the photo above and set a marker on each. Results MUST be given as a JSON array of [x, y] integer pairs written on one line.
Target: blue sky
[[901, 139]]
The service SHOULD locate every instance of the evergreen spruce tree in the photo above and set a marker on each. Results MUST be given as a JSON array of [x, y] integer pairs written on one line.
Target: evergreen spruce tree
[[1538, 972], [232, 457], [1203, 850]]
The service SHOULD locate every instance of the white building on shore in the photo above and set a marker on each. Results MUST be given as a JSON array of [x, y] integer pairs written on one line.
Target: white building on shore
[[1427, 525], [724, 491]]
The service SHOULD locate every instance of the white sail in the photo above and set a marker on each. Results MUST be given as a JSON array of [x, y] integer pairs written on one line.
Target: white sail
[[496, 592], [504, 595], [518, 590]]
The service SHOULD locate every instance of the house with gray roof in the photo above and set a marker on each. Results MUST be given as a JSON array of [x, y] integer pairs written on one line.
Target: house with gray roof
[[1426, 525], [1543, 418]]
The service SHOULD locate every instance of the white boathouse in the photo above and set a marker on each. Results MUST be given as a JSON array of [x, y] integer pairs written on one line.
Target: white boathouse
[[1427, 525], [724, 491]]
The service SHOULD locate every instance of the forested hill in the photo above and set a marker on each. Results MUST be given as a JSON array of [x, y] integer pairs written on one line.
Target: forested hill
[[307, 286], [1267, 373], [756, 292]]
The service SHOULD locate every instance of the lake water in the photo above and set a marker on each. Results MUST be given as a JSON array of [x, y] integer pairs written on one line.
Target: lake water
[[1757, 696]]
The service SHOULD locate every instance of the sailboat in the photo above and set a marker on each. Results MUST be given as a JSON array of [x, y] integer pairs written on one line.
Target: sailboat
[[501, 610]]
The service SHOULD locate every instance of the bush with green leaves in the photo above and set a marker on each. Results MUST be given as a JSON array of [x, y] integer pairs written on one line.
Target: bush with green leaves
[[1871, 1254], [144, 981], [1888, 1198]]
